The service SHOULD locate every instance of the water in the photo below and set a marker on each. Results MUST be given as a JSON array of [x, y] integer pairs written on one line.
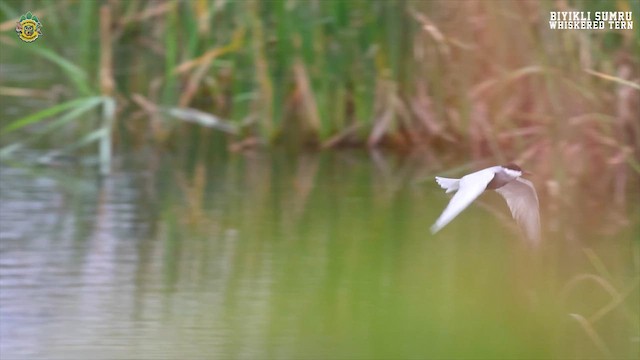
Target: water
[[264, 256]]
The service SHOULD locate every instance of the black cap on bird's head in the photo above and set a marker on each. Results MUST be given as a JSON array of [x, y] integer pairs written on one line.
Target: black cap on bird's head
[[512, 166]]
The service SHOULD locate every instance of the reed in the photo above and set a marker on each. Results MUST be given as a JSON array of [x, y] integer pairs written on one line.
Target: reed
[[481, 79]]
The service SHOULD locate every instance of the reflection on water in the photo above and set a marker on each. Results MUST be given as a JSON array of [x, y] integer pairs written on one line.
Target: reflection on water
[[264, 256]]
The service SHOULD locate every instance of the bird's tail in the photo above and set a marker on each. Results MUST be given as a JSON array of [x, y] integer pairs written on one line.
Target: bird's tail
[[448, 184]]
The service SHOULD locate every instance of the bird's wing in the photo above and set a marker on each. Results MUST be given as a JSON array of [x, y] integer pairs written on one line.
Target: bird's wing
[[448, 184], [470, 187], [523, 202]]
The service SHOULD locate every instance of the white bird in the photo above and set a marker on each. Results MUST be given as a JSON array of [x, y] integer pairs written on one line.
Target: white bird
[[519, 193]]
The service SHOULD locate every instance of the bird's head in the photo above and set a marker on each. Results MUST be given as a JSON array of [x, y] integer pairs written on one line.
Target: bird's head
[[513, 170]]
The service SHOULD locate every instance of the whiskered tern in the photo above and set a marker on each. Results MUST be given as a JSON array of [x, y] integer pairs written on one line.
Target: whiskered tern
[[507, 180]]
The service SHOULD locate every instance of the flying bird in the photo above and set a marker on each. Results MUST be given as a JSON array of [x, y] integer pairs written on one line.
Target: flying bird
[[507, 180]]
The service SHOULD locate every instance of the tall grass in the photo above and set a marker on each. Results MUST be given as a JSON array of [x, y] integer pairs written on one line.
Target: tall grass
[[89, 98], [481, 78]]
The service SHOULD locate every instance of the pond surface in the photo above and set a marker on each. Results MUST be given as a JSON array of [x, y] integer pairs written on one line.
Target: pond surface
[[264, 256]]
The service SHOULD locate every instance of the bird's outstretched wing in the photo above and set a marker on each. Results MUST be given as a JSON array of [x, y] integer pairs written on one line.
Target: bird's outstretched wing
[[450, 185], [522, 199], [470, 187]]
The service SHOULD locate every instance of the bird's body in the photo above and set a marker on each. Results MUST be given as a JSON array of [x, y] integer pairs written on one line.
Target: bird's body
[[519, 193]]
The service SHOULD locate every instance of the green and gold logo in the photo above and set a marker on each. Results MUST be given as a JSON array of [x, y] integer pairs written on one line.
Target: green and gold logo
[[29, 27]]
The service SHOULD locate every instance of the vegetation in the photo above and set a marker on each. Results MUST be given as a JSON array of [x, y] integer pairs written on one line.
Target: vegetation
[[476, 78]]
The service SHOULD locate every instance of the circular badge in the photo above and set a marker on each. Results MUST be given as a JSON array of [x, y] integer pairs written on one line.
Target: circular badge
[[28, 27]]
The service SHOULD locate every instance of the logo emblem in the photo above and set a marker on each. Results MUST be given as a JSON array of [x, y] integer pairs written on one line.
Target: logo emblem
[[28, 27]]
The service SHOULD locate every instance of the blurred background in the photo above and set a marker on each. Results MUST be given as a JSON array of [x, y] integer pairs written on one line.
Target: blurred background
[[254, 179]]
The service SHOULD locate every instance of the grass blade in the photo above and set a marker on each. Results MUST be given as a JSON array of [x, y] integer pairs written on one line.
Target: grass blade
[[108, 115], [77, 75], [613, 78], [201, 118], [593, 335], [39, 116], [78, 110]]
